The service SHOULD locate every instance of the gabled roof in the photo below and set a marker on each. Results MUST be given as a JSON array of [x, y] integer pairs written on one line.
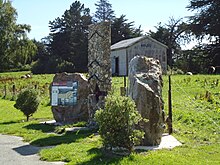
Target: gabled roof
[[129, 42]]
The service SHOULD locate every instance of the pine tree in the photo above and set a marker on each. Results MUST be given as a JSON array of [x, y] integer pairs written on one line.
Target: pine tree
[[68, 44], [121, 29], [104, 11]]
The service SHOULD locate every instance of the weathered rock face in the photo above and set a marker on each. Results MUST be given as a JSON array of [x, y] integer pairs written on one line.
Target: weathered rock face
[[145, 88], [99, 66], [79, 111]]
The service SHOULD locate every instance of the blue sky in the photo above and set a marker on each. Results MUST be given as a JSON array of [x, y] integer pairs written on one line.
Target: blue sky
[[147, 13]]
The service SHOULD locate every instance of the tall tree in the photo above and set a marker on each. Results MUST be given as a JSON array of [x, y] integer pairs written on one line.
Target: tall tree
[[15, 48], [172, 35], [206, 24], [104, 11], [68, 38], [122, 29]]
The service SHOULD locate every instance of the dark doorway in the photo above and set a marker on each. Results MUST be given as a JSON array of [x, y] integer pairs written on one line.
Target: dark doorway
[[117, 66]]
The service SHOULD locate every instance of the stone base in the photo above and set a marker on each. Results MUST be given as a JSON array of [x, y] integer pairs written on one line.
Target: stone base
[[167, 142]]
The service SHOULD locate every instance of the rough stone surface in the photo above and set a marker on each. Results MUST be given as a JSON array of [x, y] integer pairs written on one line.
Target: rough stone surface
[[78, 112], [145, 88], [99, 65]]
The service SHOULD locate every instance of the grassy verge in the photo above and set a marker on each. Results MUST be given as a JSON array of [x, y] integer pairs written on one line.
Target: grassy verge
[[196, 122]]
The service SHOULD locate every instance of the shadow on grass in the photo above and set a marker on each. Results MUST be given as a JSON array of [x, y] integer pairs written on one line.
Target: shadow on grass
[[9, 122], [66, 138], [41, 127], [103, 157]]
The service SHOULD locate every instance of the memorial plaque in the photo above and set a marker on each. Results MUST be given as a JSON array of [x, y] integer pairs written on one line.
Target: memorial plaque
[[69, 96], [64, 93]]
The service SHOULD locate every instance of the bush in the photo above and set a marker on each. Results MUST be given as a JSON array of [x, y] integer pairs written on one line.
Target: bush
[[28, 102], [116, 123]]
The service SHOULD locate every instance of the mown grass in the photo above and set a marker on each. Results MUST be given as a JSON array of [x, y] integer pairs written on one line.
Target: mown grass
[[196, 123]]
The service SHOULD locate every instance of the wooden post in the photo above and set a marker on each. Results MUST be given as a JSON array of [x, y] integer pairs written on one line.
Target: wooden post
[[13, 89], [169, 120], [125, 83], [5, 92]]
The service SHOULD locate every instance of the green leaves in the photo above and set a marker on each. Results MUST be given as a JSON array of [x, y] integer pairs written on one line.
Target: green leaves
[[117, 121], [15, 48], [28, 102], [121, 29], [68, 39], [104, 11]]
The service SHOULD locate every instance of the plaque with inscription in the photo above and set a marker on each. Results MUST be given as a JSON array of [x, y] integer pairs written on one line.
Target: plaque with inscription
[[64, 93]]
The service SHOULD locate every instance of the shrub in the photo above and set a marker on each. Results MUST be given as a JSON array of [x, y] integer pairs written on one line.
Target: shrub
[[28, 102], [116, 123]]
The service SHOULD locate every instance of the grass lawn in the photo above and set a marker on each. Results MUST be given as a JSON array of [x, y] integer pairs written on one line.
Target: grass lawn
[[196, 123]]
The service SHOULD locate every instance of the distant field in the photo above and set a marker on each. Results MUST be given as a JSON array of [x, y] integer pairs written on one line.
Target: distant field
[[196, 123]]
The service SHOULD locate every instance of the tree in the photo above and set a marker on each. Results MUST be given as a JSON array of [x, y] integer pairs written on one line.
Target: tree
[[41, 58], [121, 29], [15, 48], [104, 11], [172, 35], [206, 24], [28, 102], [68, 39], [195, 60]]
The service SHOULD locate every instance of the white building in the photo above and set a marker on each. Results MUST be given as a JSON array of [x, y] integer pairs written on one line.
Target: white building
[[123, 51]]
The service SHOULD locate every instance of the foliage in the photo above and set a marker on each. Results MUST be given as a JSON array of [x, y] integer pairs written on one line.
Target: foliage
[[121, 29], [116, 123], [195, 60], [66, 47], [205, 24], [172, 35], [104, 11], [16, 49], [28, 102]]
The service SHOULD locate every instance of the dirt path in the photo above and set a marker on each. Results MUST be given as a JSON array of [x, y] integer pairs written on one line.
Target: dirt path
[[13, 151]]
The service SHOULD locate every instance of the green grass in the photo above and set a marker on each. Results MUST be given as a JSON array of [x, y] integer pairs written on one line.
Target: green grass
[[196, 123]]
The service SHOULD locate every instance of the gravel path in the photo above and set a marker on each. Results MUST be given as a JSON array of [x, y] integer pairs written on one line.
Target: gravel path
[[13, 151]]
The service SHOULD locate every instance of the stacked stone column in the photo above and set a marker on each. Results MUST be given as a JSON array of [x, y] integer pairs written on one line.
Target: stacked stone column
[[99, 66]]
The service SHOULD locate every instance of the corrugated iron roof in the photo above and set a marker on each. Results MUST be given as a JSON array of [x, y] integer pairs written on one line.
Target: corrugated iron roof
[[129, 42]]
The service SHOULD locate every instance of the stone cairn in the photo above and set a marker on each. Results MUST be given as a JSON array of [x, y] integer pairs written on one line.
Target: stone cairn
[[77, 112], [99, 66], [145, 88]]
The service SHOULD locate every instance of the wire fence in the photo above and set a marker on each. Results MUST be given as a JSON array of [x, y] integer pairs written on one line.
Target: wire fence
[[192, 104]]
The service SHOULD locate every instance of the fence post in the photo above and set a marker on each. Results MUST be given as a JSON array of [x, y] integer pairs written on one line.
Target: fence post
[[5, 92], [13, 89], [169, 120]]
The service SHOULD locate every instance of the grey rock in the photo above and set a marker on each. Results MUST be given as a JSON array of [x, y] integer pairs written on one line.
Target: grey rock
[[145, 88], [78, 112]]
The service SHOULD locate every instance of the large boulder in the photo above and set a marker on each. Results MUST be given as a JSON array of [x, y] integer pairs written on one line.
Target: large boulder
[[145, 88], [79, 111]]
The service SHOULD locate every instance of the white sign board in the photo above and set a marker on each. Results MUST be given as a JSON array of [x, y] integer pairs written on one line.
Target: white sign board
[[64, 93]]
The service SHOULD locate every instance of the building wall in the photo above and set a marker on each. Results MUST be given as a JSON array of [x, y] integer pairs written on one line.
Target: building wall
[[146, 47], [121, 55], [151, 49]]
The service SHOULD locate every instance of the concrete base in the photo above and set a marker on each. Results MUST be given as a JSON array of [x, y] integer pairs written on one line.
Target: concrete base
[[167, 142], [52, 122]]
